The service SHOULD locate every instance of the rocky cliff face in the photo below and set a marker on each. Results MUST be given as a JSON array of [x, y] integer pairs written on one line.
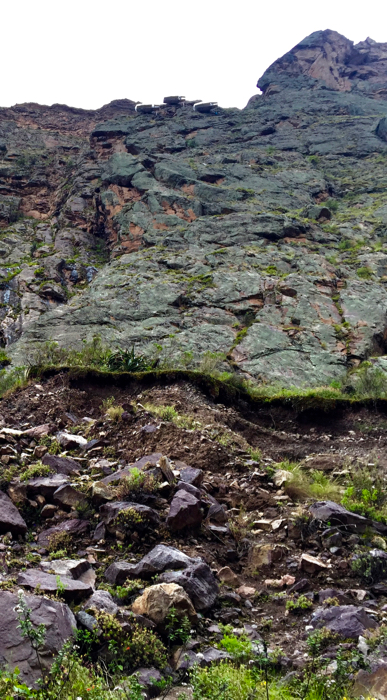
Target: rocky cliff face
[[259, 233]]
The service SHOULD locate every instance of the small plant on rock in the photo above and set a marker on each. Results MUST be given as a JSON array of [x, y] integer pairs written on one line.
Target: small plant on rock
[[60, 541], [299, 606]]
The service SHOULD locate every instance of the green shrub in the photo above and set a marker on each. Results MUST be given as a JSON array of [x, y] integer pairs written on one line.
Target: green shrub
[[224, 682], [239, 648], [35, 470], [364, 273], [299, 605], [371, 569]]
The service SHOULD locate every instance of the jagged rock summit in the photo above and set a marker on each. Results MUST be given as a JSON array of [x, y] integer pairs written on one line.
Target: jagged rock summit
[[259, 233], [330, 59]]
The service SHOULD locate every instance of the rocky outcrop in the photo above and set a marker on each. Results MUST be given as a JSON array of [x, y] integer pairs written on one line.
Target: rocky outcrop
[[255, 233]]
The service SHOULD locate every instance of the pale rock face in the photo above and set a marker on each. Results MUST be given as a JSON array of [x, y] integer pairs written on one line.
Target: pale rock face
[[156, 601]]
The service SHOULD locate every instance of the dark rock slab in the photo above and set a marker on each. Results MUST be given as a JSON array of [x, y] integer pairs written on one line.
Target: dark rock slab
[[151, 459], [348, 621], [185, 486], [211, 655], [71, 568], [184, 512], [62, 465], [157, 560], [10, 518], [48, 583], [46, 485], [109, 511], [68, 497], [190, 475], [58, 620], [335, 514], [198, 581], [101, 600], [148, 679], [73, 527]]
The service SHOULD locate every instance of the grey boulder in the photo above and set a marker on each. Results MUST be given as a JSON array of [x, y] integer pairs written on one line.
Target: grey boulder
[[10, 518], [50, 583], [198, 581], [348, 621], [184, 512], [15, 650]]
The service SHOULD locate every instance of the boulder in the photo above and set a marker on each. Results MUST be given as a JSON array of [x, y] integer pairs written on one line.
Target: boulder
[[109, 512], [191, 475], [211, 655], [62, 465], [157, 560], [10, 518], [198, 581], [182, 485], [101, 600], [46, 485], [147, 460], [156, 602], [148, 678], [71, 441], [317, 212], [73, 527], [311, 565], [335, 514], [68, 497], [48, 583], [348, 621], [38, 431], [373, 683], [184, 512], [262, 555], [15, 650], [228, 576], [71, 568]]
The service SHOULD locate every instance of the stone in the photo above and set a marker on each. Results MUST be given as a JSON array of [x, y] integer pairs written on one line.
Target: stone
[[334, 593], [372, 684], [210, 656], [184, 512], [165, 466], [265, 555], [312, 565], [38, 431], [74, 527], [15, 650], [348, 621], [157, 600], [317, 212], [335, 514], [68, 497], [87, 621], [184, 659], [101, 493], [62, 465], [48, 511], [72, 568], [148, 678], [191, 475], [101, 600], [182, 485], [226, 575], [147, 460], [157, 560], [46, 485], [285, 580], [198, 582], [70, 441], [246, 591], [48, 583], [110, 511], [10, 518]]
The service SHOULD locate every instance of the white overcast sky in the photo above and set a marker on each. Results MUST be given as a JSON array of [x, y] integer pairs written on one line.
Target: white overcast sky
[[86, 53]]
